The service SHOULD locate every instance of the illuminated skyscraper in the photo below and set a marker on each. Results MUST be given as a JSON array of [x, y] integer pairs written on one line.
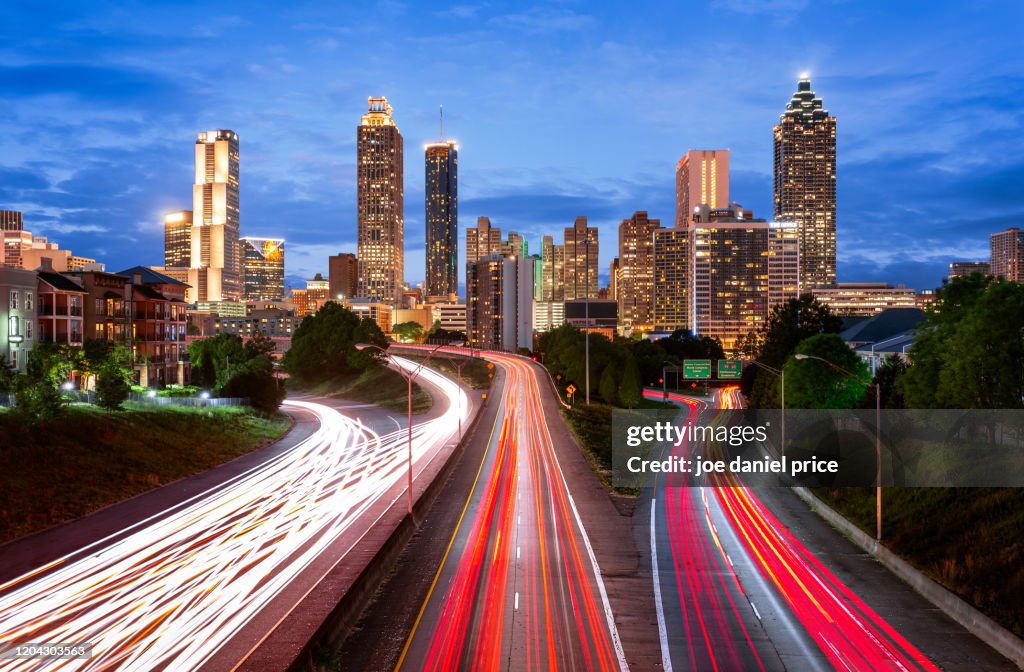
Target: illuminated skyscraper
[[499, 302], [552, 270], [215, 270], [740, 269], [482, 240], [1007, 249], [442, 218], [380, 209], [178, 239], [634, 286], [580, 271], [702, 178], [263, 262], [805, 182], [671, 277]]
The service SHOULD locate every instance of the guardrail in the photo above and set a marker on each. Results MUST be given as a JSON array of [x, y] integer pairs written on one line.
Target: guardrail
[[195, 402]]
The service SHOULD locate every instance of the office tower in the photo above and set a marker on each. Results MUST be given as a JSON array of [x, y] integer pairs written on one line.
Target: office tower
[[1008, 254], [14, 237], [11, 220], [670, 308], [702, 178], [263, 268], [380, 209], [962, 269], [805, 182], [215, 270], [343, 275], [580, 271], [553, 270], [538, 277], [865, 298], [178, 239], [499, 302], [313, 297], [514, 246], [442, 218], [634, 286], [483, 240], [740, 269]]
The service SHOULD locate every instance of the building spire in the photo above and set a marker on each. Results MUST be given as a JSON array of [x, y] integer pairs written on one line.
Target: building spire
[[442, 123]]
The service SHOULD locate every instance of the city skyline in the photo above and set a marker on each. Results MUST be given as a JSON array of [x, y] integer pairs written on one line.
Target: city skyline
[[910, 199]]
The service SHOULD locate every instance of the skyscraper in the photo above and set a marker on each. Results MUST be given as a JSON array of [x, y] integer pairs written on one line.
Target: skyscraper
[[343, 275], [381, 200], [499, 302], [442, 218], [178, 239], [1007, 249], [740, 269], [805, 182], [483, 240], [263, 264], [671, 277], [216, 265], [702, 178], [634, 286], [580, 271], [552, 270], [11, 220]]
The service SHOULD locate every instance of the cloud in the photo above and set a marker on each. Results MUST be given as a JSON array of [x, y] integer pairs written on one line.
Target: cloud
[[545, 20], [774, 7], [86, 82]]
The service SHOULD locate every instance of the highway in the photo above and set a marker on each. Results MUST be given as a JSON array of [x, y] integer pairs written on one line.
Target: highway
[[518, 586], [739, 591], [174, 590]]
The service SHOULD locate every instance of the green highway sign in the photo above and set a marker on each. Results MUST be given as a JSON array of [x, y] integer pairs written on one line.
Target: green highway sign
[[730, 369], [696, 368]]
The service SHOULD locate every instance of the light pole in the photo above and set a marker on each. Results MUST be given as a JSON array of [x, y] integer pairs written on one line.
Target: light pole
[[878, 436], [586, 317], [458, 368], [409, 377], [781, 373]]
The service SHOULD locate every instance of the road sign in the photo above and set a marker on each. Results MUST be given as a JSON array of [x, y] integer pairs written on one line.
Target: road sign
[[696, 368], [571, 390], [730, 369]]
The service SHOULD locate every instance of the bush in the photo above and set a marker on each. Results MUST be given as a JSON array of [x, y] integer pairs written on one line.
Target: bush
[[260, 386], [112, 385]]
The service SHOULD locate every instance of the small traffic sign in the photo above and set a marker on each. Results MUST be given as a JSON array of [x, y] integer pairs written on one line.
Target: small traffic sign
[[571, 390]]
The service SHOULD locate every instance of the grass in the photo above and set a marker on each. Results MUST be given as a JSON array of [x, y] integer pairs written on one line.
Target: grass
[[381, 386], [86, 458], [971, 540]]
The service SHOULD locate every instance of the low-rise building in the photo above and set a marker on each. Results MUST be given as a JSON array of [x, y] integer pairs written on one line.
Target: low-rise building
[[377, 311], [864, 298], [18, 289], [599, 316], [59, 309]]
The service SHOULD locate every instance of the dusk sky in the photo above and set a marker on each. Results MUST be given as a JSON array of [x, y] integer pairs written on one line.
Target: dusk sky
[[560, 109]]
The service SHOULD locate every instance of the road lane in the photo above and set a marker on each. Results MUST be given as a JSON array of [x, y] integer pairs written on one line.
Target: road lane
[[520, 588], [175, 591]]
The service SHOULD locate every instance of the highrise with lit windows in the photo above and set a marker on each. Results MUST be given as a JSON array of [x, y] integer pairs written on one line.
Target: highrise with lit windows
[[215, 268], [263, 262], [442, 219], [805, 182], [702, 177], [380, 218]]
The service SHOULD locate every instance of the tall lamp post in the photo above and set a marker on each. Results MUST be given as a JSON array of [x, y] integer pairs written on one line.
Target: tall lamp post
[[782, 382], [458, 368], [409, 377], [878, 436]]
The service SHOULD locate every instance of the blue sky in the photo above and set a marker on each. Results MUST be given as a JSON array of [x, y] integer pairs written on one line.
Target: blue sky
[[560, 109]]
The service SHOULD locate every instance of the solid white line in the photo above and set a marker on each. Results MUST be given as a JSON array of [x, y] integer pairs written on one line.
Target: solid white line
[[519, 519], [517, 602], [518, 549], [666, 658], [756, 612]]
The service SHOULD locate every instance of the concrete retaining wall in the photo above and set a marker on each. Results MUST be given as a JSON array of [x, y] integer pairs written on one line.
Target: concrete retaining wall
[[977, 623]]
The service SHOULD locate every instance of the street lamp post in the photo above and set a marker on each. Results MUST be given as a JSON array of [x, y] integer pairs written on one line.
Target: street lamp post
[[409, 377], [781, 373], [458, 368], [878, 437]]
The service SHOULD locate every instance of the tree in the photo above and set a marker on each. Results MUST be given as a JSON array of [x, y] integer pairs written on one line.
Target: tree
[[887, 377], [630, 391], [683, 344], [811, 383], [259, 344], [8, 376], [214, 359], [408, 332], [787, 326], [257, 382], [113, 383], [609, 385], [323, 346]]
